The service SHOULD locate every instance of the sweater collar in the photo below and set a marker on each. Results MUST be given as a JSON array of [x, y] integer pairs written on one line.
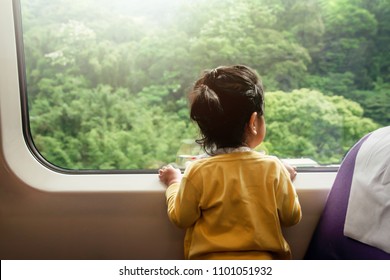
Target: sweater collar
[[232, 150]]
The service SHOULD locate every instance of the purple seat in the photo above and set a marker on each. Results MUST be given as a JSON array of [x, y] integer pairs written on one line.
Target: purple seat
[[328, 241]]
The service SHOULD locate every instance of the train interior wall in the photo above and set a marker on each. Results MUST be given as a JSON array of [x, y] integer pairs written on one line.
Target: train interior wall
[[38, 224]]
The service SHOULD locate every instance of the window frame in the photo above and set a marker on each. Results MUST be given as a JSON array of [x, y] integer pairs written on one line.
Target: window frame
[[26, 119], [24, 161]]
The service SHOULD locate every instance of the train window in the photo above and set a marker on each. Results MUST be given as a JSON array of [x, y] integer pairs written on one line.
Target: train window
[[105, 82]]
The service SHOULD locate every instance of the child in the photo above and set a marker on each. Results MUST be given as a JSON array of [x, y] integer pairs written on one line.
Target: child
[[234, 202]]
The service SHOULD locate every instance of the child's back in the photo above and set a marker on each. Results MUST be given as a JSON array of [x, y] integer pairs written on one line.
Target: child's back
[[241, 198]]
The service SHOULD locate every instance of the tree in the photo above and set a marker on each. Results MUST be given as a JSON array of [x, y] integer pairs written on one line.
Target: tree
[[348, 40], [311, 124]]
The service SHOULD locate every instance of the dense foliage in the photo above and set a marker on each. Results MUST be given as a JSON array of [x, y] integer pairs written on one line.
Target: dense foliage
[[108, 80]]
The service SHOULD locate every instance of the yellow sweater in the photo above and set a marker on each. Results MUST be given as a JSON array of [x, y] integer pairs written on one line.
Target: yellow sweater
[[233, 206]]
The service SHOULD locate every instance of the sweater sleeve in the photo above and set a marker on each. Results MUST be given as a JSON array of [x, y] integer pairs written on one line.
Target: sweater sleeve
[[183, 203], [289, 208]]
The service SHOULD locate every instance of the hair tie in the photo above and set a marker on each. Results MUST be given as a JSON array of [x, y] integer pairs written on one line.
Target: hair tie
[[214, 73]]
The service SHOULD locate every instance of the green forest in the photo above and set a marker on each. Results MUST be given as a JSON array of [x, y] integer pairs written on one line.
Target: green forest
[[107, 80]]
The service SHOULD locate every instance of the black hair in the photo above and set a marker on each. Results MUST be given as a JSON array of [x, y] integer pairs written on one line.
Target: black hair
[[222, 102]]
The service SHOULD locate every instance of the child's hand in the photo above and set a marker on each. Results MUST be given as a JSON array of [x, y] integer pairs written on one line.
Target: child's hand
[[169, 175], [292, 170]]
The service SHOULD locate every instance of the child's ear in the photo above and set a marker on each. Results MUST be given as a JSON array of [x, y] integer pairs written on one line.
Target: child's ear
[[252, 124]]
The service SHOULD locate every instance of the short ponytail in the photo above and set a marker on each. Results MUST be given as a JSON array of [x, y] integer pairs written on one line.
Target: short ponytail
[[205, 101]]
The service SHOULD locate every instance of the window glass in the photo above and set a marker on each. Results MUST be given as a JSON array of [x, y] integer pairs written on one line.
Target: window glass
[[107, 80]]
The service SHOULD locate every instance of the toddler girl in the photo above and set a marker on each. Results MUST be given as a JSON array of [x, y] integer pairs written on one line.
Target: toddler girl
[[234, 202]]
